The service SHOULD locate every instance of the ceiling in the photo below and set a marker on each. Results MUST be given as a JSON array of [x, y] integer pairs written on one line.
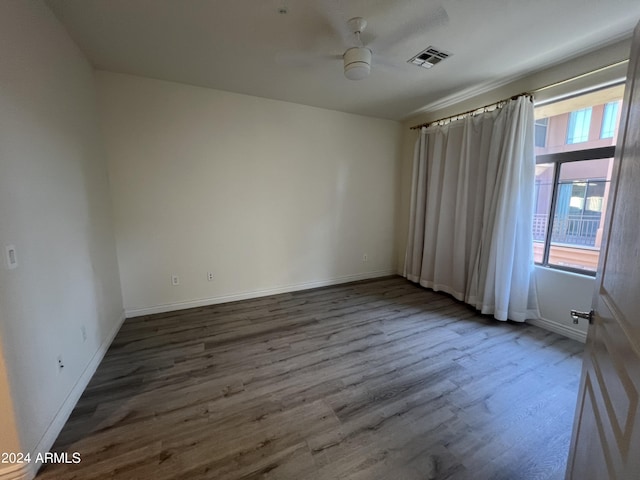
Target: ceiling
[[247, 46]]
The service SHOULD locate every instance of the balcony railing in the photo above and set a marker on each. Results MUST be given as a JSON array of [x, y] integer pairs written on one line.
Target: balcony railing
[[570, 229]]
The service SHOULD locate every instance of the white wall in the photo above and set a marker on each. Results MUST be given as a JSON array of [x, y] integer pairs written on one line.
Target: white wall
[[269, 196], [558, 291], [55, 208]]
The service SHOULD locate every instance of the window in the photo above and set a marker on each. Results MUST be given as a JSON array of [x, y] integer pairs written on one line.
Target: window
[[579, 123], [609, 120], [575, 189], [541, 132], [572, 181]]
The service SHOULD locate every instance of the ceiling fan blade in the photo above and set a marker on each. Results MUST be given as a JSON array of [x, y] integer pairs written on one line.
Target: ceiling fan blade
[[332, 11], [390, 64], [303, 59], [432, 18]]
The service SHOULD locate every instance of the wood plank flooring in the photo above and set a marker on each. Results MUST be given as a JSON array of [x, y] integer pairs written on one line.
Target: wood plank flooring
[[377, 379]]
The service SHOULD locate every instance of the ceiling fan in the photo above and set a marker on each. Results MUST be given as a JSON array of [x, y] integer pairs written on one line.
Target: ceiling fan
[[358, 56], [357, 60]]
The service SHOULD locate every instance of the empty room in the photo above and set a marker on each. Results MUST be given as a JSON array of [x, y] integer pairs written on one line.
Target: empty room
[[319, 239]]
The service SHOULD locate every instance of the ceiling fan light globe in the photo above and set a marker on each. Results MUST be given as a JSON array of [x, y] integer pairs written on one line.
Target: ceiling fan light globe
[[357, 71], [357, 63]]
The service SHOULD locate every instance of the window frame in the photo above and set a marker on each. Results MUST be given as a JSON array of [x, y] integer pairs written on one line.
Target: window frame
[[558, 159]]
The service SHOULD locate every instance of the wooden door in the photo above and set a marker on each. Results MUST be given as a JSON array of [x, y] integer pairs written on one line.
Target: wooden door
[[606, 432]]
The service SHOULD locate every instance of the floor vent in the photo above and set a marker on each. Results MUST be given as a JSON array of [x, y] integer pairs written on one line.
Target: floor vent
[[429, 57]]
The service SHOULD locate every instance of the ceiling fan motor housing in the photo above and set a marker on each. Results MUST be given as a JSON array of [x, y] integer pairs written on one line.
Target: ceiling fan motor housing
[[357, 63]]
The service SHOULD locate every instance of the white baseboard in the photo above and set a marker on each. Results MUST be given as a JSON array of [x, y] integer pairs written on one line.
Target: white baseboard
[[560, 328], [13, 471], [55, 427], [170, 307]]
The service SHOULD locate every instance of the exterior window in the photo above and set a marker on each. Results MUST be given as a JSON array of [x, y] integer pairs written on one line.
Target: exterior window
[[571, 199], [572, 181], [609, 119], [541, 132], [579, 123]]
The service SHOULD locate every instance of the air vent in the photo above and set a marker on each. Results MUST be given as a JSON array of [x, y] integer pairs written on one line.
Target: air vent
[[429, 57]]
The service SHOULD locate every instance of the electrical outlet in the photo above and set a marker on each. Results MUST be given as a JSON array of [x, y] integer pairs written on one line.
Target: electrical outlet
[[60, 363], [83, 329], [175, 280], [365, 257], [210, 276], [12, 257]]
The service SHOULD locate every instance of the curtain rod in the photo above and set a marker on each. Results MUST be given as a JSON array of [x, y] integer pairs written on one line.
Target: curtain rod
[[458, 116], [530, 94], [578, 77]]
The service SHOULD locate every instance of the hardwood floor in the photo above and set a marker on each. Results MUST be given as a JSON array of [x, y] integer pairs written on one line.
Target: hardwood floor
[[377, 379]]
